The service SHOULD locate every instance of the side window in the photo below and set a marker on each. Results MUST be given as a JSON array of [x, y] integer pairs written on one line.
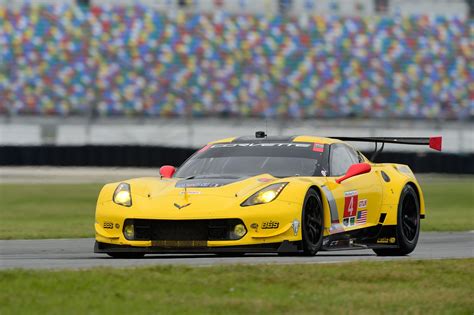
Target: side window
[[353, 154], [341, 158]]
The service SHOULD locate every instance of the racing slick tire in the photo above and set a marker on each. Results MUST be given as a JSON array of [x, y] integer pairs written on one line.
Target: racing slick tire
[[126, 255], [408, 224], [312, 223]]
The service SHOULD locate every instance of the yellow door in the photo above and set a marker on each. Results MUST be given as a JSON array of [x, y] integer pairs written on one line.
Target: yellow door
[[358, 199]]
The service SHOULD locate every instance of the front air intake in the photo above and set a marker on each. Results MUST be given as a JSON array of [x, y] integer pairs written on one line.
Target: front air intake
[[184, 230]]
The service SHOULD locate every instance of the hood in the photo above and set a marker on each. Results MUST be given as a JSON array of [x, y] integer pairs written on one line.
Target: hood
[[174, 198], [152, 187]]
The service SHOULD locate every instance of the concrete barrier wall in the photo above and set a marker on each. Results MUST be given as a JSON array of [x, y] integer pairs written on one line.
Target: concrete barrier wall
[[151, 156], [458, 137]]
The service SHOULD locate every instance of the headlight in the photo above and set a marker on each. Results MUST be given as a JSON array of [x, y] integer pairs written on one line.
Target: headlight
[[122, 195], [264, 195]]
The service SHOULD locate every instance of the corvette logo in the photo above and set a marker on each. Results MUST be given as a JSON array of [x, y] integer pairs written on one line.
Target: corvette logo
[[181, 207]]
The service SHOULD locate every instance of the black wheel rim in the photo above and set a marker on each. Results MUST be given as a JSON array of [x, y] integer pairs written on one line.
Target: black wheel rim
[[409, 218], [313, 222]]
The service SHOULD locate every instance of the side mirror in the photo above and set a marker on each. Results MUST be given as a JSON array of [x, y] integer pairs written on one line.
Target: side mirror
[[354, 170], [167, 171]]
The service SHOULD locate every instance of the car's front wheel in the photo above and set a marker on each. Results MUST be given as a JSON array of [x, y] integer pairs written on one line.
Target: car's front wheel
[[408, 224], [312, 223]]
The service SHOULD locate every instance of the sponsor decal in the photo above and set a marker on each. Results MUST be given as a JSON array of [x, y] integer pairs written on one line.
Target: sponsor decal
[[237, 145], [179, 244], [350, 203], [383, 240], [270, 225], [181, 206], [117, 226], [108, 225], [362, 204], [318, 147], [254, 226], [392, 240], [348, 221], [189, 192], [350, 208], [361, 217], [198, 185]]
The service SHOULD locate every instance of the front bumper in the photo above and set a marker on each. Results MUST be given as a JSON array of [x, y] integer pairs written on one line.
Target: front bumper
[[272, 223]]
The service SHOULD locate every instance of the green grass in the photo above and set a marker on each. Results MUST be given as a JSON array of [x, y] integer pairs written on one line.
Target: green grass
[[391, 287], [449, 203], [47, 211], [66, 211]]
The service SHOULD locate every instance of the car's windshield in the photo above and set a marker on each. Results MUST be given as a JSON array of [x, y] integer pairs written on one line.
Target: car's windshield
[[249, 159]]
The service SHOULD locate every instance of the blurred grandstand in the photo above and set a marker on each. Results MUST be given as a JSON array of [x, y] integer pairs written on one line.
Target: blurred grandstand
[[81, 72]]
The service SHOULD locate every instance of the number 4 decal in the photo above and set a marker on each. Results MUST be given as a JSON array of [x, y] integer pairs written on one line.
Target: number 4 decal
[[350, 203]]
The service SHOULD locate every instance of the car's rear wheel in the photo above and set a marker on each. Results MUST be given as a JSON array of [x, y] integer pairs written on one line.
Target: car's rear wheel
[[408, 224], [126, 255], [312, 223]]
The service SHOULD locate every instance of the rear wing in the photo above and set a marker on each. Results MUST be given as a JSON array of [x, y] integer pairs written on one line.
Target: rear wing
[[434, 143]]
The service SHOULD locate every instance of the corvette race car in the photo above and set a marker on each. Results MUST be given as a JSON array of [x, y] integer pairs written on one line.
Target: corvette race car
[[289, 195]]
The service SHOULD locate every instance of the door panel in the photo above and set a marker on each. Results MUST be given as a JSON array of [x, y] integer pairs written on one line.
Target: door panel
[[358, 200]]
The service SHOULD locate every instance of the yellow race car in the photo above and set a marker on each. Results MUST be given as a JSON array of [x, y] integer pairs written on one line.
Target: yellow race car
[[289, 195]]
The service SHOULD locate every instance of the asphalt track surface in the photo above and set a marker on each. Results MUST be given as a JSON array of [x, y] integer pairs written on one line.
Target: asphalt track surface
[[78, 254]]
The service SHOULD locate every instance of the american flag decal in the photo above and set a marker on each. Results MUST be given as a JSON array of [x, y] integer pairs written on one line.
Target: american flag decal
[[361, 217]]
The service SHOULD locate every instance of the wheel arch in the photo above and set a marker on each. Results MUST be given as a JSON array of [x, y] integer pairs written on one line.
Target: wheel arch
[[326, 207], [300, 187], [419, 195], [399, 176]]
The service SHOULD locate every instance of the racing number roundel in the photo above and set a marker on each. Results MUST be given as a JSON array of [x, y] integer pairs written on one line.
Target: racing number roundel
[[351, 199]]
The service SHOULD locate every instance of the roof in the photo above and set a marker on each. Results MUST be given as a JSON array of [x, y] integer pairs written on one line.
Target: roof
[[301, 138]]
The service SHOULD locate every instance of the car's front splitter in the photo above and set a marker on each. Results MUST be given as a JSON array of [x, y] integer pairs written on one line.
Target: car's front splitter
[[284, 247]]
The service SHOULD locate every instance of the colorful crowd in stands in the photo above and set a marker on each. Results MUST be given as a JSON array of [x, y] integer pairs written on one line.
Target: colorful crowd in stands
[[64, 60]]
